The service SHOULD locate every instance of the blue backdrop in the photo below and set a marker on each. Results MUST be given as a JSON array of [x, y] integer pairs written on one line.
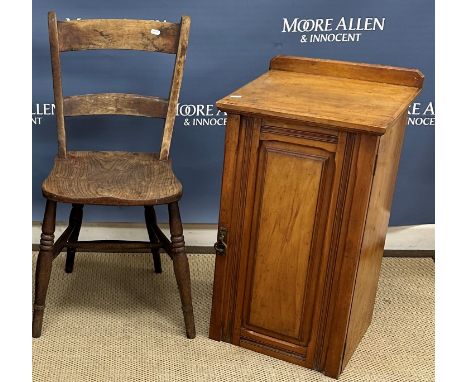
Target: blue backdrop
[[231, 43]]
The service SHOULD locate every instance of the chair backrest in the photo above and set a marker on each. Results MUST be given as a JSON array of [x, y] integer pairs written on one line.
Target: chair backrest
[[146, 35]]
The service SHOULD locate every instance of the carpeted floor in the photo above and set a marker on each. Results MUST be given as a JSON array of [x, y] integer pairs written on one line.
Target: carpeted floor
[[113, 319]]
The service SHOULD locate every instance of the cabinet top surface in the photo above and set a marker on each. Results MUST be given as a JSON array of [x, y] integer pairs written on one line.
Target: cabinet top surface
[[362, 97]]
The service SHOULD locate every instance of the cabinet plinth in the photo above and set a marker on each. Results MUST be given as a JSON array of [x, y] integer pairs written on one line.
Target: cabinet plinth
[[311, 158]]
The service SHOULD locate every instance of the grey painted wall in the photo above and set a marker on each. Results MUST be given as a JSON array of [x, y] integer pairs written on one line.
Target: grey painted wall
[[231, 43]]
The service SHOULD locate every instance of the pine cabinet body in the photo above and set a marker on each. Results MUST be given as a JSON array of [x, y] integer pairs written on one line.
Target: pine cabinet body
[[311, 159]]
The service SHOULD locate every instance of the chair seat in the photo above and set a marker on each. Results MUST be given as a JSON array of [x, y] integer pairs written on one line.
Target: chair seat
[[112, 177]]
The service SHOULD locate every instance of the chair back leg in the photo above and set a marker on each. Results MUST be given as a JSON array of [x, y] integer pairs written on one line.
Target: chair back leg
[[181, 267], [151, 224], [44, 266], [76, 217]]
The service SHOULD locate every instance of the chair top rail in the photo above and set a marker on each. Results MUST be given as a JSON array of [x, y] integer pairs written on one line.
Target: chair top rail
[[145, 35]]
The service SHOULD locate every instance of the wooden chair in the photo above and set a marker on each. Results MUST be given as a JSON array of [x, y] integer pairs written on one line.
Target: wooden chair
[[114, 178]]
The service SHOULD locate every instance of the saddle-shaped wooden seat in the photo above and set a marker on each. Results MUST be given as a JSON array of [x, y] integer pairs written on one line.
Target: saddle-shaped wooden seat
[[112, 177]]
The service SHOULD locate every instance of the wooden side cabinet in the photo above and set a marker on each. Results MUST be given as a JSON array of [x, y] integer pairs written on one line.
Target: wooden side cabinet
[[311, 158]]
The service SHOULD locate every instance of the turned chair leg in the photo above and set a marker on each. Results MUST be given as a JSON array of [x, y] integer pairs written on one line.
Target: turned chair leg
[[44, 266], [151, 222], [76, 217], [181, 268]]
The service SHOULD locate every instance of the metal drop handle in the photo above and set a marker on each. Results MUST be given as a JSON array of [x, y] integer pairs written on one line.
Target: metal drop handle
[[220, 246]]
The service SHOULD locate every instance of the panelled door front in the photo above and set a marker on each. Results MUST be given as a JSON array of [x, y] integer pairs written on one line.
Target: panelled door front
[[291, 199]]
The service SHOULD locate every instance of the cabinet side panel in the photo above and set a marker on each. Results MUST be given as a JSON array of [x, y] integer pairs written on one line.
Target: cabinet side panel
[[227, 190], [343, 270], [374, 234]]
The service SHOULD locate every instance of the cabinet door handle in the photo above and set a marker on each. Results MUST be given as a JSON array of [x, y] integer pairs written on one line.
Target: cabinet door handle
[[220, 246]]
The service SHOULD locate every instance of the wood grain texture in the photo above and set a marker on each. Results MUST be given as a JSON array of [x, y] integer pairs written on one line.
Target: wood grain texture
[[300, 273], [299, 134], [175, 86], [243, 212], [57, 84], [279, 293], [344, 69], [308, 240], [241, 224], [332, 243], [115, 103], [349, 104], [277, 304], [390, 146], [349, 244], [146, 35], [221, 275], [118, 34], [116, 178]]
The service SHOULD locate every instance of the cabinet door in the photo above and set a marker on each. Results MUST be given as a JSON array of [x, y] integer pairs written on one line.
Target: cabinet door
[[290, 202]]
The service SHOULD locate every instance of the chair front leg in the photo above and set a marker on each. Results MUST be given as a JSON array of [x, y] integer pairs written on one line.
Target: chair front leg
[[76, 217], [44, 266], [151, 222], [181, 268]]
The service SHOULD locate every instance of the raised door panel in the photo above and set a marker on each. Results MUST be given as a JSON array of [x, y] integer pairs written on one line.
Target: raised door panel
[[286, 208], [290, 209]]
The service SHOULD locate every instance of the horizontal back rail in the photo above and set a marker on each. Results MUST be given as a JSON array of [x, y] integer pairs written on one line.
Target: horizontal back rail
[[115, 103], [147, 35], [125, 34], [352, 70]]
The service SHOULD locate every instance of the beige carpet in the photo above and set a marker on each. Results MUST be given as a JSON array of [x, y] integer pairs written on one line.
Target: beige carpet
[[113, 319]]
